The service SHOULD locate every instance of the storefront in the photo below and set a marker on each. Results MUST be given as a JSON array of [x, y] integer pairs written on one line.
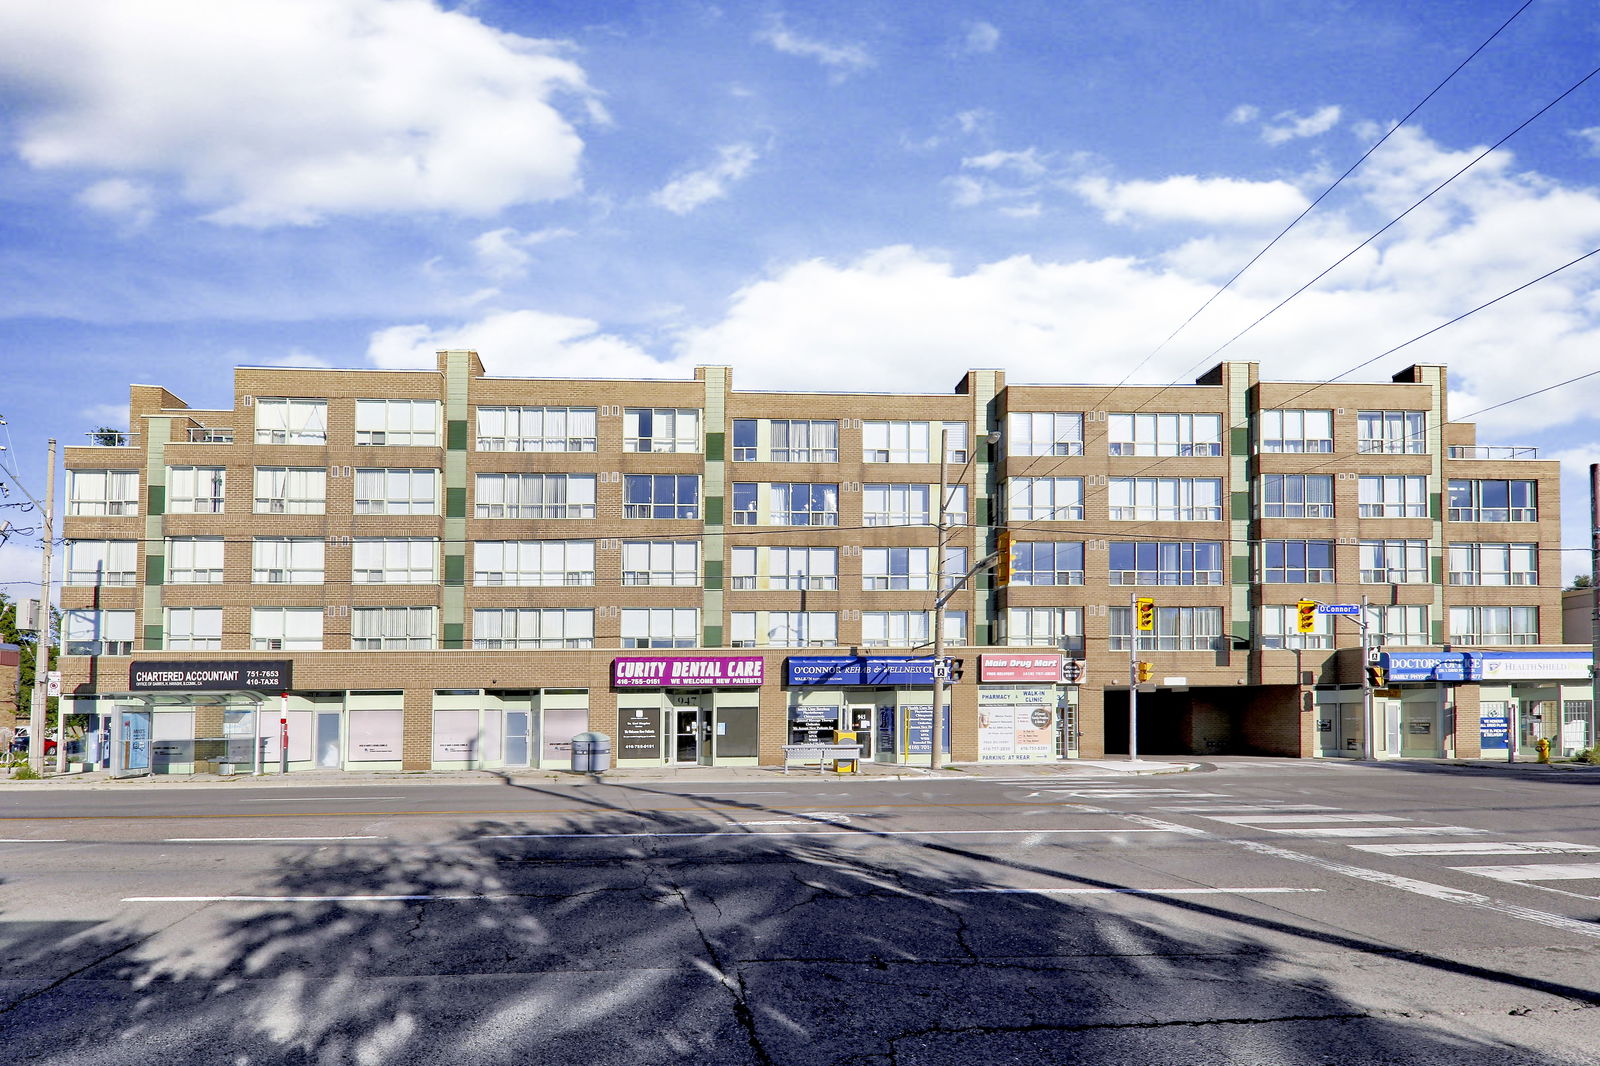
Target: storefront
[[1524, 695], [885, 701], [495, 729], [1026, 710], [688, 710]]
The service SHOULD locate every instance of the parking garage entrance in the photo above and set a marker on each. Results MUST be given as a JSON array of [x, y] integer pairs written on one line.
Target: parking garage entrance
[[1257, 720]]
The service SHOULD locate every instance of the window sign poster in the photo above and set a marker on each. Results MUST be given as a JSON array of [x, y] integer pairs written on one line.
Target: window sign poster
[[374, 736], [997, 732], [886, 732], [1016, 724], [455, 736], [136, 740], [1493, 729], [561, 724], [919, 729], [641, 733]]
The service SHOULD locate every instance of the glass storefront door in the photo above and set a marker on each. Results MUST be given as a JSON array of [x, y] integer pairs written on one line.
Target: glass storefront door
[[688, 730]]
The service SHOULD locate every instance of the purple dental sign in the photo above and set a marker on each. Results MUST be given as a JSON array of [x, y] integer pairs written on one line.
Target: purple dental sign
[[687, 671]]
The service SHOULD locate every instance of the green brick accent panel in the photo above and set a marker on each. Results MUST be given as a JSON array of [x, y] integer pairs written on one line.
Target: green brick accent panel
[[982, 507], [1435, 506], [153, 638], [155, 569], [714, 574], [714, 513], [1437, 626], [455, 503], [1238, 506], [1239, 570], [1436, 569], [455, 569], [455, 435], [157, 499], [716, 447], [454, 636], [1240, 630], [712, 637], [1239, 441]]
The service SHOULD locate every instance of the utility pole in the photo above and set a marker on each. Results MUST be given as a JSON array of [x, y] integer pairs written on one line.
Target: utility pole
[[41, 647], [1369, 747], [1594, 594], [942, 533]]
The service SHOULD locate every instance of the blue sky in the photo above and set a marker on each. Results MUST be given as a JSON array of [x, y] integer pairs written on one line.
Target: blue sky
[[823, 195]]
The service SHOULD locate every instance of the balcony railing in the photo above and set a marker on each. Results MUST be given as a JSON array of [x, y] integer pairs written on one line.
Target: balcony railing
[[210, 434], [1493, 451], [112, 438]]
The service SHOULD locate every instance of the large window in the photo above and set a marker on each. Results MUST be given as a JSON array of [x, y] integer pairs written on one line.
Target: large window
[[660, 627], [790, 504], [1394, 562], [394, 561], [896, 569], [895, 505], [194, 560], [1155, 562], [102, 562], [291, 490], [1050, 499], [536, 429], [534, 496], [533, 563], [911, 442], [1296, 496], [1280, 628], [1295, 431], [287, 421], [285, 628], [1494, 625], [89, 632], [785, 629], [526, 628], [785, 440], [195, 489], [1297, 562], [786, 568], [397, 491], [1164, 434], [287, 561], [397, 422], [1398, 624], [661, 562], [1494, 501], [910, 629], [102, 492], [661, 429], [1394, 496], [1165, 499], [391, 628], [1392, 432], [1044, 433], [1494, 564], [194, 629], [661, 496], [1048, 562], [1177, 629], [1053, 627]]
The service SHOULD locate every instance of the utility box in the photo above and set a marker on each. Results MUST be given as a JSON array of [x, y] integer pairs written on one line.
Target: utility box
[[591, 753]]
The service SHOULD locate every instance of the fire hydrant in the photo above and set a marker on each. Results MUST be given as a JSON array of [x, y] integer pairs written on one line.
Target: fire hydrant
[[1543, 747]]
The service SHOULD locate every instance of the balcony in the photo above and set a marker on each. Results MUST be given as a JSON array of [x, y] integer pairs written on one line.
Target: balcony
[[1493, 451], [210, 434], [112, 438]]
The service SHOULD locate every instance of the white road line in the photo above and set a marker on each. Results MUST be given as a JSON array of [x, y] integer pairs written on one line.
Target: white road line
[[1132, 891], [729, 835], [313, 899], [763, 792], [318, 799], [1163, 793], [1310, 819], [1241, 807], [1376, 830], [1576, 871], [260, 840], [31, 840], [1504, 847]]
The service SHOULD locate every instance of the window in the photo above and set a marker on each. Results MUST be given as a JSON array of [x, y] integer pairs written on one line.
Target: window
[[526, 628], [1177, 629], [785, 629], [660, 627], [1494, 564], [795, 504], [394, 561], [1394, 562], [534, 496], [287, 561], [1044, 433], [1166, 499], [661, 496], [397, 422], [533, 563], [1394, 496], [955, 505], [536, 429], [1052, 627], [788, 440], [1153, 562], [291, 421], [102, 492], [1164, 434], [896, 569], [102, 562], [97, 632], [1296, 496], [195, 489], [1050, 499], [194, 628], [1392, 432], [397, 491], [1280, 628], [285, 628], [1295, 431], [1297, 562], [911, 442], [661, 429], [895, 505], [786, 568], [291, 490], [1398, 625], [194, 560], [1047, 563], [910, 629], [391, 628], [661, 562], [1494, 625], [1494, 501]]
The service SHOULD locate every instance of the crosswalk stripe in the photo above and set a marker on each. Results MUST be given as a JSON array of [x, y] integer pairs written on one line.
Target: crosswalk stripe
[[1225, 808], [1308, 819], [1130, 793], [1376, 830], [1503, 847], [1577, 871]]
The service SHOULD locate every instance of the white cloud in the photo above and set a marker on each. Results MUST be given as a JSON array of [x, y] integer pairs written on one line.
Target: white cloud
[[1590, 136], [1186, 198], [503, 253], [980, 37], [1243, 114], [522, 343], [132, 202], [1025, 162], [284, 112], [841, 59], [689, 191], [1287, 125], [974, 120]]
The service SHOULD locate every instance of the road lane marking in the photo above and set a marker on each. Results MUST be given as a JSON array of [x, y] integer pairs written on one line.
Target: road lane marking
[[1132, 891], [30, 840], [262, 840], [1504, 847], [1576, 871], [1375, 830], [729, 834], [373, 898], [1243, 807], [314, 799], [1310, 819]]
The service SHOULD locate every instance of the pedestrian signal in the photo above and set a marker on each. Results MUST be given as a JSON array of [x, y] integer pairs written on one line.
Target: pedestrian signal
[[1145, 610], [1307, 616]]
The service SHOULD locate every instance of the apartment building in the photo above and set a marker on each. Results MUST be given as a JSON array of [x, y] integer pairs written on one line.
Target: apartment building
[[444, 569]]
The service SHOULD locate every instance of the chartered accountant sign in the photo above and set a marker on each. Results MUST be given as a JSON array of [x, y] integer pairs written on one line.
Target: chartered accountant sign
[[263, 676]]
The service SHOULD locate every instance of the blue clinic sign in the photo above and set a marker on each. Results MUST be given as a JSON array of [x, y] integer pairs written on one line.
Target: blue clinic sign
[[1493, 731], [858, 670], [1426, 665]]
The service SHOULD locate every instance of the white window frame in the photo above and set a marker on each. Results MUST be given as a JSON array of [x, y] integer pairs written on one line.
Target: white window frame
[[87, 631], [894, 504], [1170, 433], [286, 629], [784, 512], [660, 627], [287, 561], [394, 560], [910, 441], [291, 420], [791, 440], [537, 429], [1476, 511], [796, 568], [396, 490], [1285, 573], [661, 429], [397, 423], [533, 563], [291, 490], [1029, 551], [1472, 625], [1044, 433], [102, 563], [668, 563], [1294, 496], [531, 628], [1394, 562], [102, 492], [201, 629], [664, 496], [1044, 627], [396, 628], [1165, 562], [1164, 499], [1280, 628], [1393, 495], [1474, 564], [551, 496], [185, 485], [1283, 430], [1177, 629], [1392, 432], [1044, 499], [195, 560], [1398, 625], [773, 629]]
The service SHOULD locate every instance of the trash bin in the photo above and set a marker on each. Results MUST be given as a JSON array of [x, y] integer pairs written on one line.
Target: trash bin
[[591, 753]]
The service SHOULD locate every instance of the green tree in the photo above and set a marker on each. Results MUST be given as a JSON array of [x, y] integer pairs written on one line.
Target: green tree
[[28, 641], [1582, 581]]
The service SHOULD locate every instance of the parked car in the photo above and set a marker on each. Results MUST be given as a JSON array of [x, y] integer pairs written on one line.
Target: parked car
[[19, 743]]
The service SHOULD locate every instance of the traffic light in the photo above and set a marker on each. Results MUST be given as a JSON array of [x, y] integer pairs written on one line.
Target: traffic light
[[1002, 568], [1145, 611], [1307, 616], [1377, 677], [1144, 671], [953, 669]]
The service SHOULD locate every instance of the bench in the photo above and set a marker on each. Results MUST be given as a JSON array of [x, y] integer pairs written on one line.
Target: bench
[[824, 754]]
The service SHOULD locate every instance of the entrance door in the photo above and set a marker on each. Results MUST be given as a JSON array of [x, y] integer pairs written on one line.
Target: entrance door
[[1066, 729], [1390, 710], [686, 735], [864, 720], [516, 738]]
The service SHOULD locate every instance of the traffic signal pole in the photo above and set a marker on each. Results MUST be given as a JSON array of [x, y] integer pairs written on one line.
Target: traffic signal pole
[[1133, 678]]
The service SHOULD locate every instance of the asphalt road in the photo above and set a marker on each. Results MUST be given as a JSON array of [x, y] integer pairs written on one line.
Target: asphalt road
[[1260, 912]]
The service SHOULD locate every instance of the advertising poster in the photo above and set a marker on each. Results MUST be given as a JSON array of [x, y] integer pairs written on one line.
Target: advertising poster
[[641, 733], [1016, 724]]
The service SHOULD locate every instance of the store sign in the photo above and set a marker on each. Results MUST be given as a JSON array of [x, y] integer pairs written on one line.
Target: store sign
[[641, 733], [1426, 666], [858, 670], [1015, 666], [1016, 724], [261, 676], [1493, 731], [688, 671], [1514, 665]]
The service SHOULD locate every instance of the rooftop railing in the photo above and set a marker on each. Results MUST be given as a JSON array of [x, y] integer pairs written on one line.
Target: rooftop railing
[[1493, 451]]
